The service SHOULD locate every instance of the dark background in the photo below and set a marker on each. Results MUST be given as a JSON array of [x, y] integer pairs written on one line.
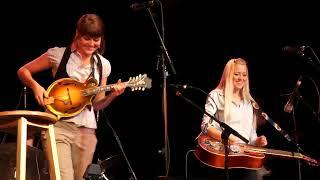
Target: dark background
[[200, 37]]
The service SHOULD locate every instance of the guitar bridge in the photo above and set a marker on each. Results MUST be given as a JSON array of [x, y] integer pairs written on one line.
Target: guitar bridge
[[235, 148], [214, 145], [64, 99]]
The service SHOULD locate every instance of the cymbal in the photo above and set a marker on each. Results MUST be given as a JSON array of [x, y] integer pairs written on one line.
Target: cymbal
[[110, 162]]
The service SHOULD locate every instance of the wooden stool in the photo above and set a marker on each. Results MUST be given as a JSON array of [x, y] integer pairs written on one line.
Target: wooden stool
[[11, 120]]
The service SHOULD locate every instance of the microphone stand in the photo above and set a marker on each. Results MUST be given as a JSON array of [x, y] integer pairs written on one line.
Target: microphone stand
[[226, 131], [295, 128], [296, 142], [164, 56], [163, 47], [286, 135], [132, 174], [310, 60], [308, 106], [23, 94], [276, 126], [222, 124], [314, 54]]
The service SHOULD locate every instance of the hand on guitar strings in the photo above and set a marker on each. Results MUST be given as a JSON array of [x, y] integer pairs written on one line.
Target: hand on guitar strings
[[118, 88], [40, 93], [261, 141]]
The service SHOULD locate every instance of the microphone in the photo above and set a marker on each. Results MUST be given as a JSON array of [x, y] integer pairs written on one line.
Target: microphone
[[289, 105], [180, 86], [185, 86], [299, 50], [142, 5]]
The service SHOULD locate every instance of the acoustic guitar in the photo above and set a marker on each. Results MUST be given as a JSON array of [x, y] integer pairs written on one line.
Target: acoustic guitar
[[211, 152], [68, 97]]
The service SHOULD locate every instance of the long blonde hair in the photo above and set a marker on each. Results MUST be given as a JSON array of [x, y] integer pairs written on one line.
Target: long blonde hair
[[226, 85]]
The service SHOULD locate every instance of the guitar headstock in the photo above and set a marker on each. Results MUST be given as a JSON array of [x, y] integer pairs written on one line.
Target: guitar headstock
[[311, 161], [140, 82]]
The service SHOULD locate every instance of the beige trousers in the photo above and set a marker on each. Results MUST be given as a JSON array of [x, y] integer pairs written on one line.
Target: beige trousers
[[75, 146]]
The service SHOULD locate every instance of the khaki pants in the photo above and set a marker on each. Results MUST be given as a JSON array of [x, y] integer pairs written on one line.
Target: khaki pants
[[75, 146]]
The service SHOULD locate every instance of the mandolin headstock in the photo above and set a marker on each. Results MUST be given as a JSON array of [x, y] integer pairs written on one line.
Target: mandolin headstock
[[140, 82]]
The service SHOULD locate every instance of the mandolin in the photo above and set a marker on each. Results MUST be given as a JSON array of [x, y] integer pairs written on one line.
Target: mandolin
[[68, 97]]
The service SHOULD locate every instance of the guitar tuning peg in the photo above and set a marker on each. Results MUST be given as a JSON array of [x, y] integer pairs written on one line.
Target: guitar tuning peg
[[139, 88], [143, 89]]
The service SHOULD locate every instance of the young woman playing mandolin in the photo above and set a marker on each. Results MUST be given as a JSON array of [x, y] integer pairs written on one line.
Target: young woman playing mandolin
[[81, 60]]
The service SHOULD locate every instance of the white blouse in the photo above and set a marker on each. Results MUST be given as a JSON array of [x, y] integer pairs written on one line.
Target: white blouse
[[241, 116], [76, 70]]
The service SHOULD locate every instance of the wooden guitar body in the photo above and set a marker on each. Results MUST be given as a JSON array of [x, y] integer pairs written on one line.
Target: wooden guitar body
[[69, 99], [211, 153]]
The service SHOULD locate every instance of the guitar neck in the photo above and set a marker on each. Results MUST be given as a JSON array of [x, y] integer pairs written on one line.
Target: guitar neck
[[140, 82], [96, 90], [279, 153]]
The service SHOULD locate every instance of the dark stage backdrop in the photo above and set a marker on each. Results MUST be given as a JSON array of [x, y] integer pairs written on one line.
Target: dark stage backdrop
[[200, 37]]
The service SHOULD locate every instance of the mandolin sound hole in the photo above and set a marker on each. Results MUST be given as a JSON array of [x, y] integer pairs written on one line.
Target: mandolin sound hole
[[68, 83], [72, 109]]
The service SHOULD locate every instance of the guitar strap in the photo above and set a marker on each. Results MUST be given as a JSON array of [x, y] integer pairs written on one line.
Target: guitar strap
[[99, 67], [62, 71]]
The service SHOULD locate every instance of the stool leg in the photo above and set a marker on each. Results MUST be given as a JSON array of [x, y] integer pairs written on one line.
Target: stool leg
[[52, 154], [21, 149]]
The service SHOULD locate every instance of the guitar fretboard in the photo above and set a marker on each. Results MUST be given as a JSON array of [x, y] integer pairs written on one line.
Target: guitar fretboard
[[275, 152], [96, 90]]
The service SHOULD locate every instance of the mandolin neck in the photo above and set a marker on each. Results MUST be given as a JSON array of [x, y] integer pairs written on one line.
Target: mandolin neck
[[95, 90]]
